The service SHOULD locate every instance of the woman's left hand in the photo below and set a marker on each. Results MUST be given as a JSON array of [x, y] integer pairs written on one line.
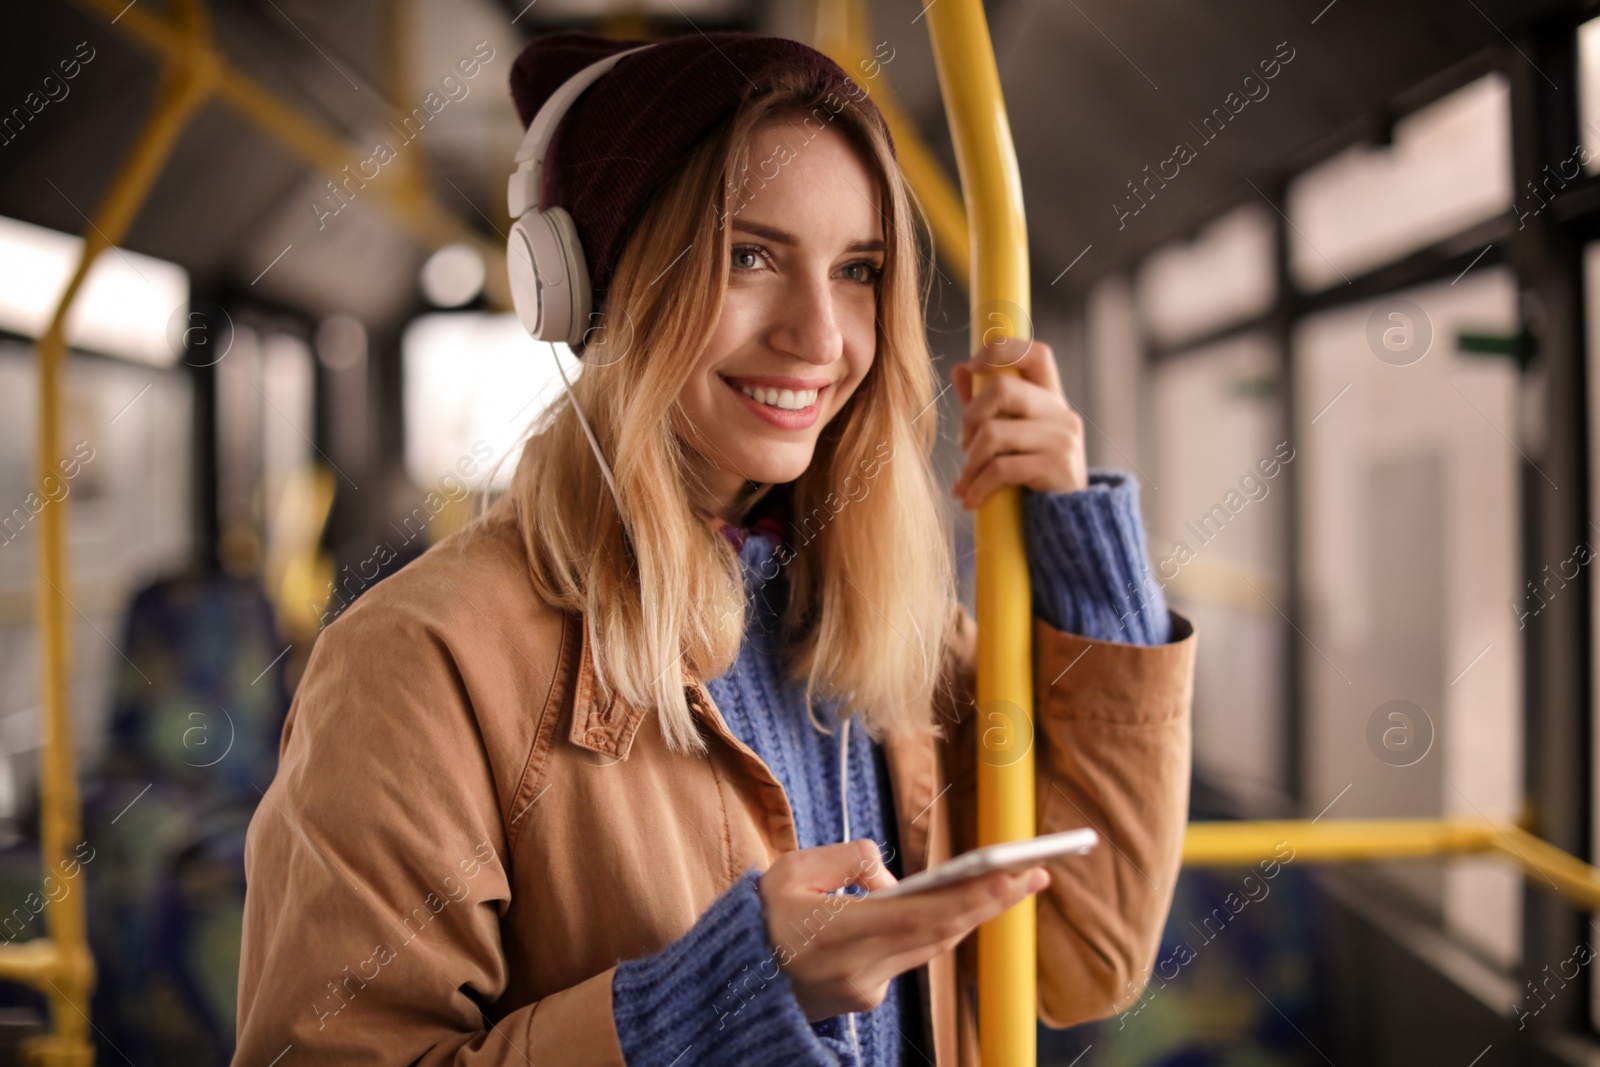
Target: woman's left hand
[[1019, 430]]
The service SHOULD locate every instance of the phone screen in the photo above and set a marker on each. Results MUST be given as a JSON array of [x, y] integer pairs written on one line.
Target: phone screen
[[1012, 856]]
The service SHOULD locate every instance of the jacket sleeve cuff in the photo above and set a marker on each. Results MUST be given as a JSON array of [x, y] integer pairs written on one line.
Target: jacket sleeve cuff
[[1088, 565], [717, 990]]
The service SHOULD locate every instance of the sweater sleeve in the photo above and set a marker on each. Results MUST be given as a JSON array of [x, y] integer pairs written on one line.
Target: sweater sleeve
[[718, 991], [1088, 565]]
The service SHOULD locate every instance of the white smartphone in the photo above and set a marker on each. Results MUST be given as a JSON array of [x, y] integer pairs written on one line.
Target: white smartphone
[[1010, 856]]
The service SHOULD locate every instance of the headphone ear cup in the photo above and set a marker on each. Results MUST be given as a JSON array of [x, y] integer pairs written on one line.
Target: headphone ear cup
[[576, 272], [523, 275], [549, 278]]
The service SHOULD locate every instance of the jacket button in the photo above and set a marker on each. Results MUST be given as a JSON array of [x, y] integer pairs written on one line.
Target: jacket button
[[596, 736]]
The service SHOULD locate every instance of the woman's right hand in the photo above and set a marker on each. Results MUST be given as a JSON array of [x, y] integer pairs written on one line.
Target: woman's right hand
[[840, 951]]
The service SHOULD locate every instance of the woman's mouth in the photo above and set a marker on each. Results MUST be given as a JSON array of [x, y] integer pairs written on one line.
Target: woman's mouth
[[787, 403]]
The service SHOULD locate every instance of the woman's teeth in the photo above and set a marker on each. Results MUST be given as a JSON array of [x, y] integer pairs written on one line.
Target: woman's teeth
[[786, 399]]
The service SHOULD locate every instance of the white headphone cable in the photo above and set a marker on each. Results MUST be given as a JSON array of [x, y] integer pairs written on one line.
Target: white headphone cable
[[844, 774], [594, 444], [844, 807]]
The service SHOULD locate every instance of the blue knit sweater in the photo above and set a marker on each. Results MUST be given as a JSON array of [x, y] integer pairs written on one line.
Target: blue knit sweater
[[716, 995]]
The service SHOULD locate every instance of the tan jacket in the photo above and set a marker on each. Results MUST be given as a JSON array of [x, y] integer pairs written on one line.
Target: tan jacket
[[462, 840]]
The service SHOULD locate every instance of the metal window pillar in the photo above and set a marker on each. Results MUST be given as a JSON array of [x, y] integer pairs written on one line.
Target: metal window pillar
[[1547, 260], [1286, 310]]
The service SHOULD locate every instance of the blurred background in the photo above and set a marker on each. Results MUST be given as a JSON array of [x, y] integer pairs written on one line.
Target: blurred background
[[1319, 274]]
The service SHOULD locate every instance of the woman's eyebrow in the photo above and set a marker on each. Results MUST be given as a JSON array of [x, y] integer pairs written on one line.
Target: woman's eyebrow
[[784, 237], [873, 245]]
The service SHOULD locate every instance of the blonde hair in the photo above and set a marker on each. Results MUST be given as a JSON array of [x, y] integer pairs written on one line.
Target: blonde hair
[[869, 574]]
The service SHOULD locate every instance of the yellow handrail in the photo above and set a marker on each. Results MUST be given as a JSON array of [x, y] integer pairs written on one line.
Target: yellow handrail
[[1231, 844], [1225, 844], [1000, 299], [60, 965]]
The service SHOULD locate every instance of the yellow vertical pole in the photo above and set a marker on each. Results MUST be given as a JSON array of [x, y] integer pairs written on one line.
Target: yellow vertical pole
[[60, 812], [999, 296]]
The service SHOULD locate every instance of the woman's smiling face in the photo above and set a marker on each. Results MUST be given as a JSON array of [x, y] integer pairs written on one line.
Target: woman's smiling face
[[798, 329]]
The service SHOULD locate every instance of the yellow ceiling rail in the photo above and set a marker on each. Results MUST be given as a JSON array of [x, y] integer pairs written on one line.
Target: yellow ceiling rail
[[939, 199], [1238, 844], [1000, 299], [841, 33], [313, 143]]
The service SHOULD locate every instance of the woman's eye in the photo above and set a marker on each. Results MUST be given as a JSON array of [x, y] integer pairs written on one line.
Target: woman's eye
[[746, 258], [863, 272]]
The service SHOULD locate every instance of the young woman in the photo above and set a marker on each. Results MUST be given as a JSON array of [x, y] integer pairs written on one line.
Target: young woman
[[579, 785]]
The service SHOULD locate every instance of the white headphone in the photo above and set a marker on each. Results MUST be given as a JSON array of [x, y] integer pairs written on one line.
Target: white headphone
[[544, 257]]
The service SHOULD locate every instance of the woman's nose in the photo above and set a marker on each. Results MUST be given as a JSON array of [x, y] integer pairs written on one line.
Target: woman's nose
[[808, 326]]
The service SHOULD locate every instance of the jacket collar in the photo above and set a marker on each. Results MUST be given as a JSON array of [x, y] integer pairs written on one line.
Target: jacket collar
[[604, 724], [601, 722]]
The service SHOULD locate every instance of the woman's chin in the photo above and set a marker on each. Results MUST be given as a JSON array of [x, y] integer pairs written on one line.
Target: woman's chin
[[775, 465]]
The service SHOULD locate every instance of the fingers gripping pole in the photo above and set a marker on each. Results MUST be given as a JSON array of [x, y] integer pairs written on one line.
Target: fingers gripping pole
[[992, 189]]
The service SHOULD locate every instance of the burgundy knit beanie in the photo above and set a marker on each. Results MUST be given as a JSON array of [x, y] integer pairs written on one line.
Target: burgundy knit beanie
[[631, 130]]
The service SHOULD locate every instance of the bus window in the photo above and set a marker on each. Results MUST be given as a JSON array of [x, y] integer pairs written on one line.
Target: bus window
[[1410, 555], [474, 386], [1224, 275], [1218, 527], [1449, 167]]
